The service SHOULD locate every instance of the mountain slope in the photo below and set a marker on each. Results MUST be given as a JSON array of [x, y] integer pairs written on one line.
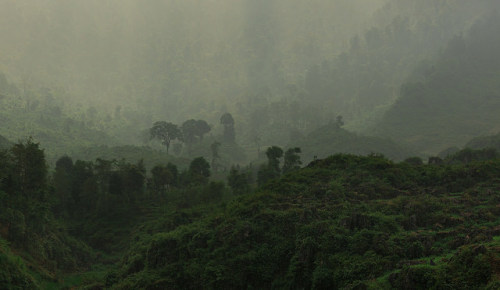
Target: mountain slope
[[485, 142], [42, 114], [457, 98], [363, 81], [341, 223]]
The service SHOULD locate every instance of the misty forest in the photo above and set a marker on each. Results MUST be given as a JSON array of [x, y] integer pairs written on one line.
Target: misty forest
[[250, 144]]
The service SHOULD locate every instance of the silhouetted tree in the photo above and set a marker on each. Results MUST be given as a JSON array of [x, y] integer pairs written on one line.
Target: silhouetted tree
[[189, 131], [273, 154], [165, 132], [202, 128], [238, 181], [83, 180], [63, 180], [102, 170], [199, 170], [272, 169], [161, 177], [215, 154], [30, 168], [292, 160], [175, 174], [193, 129], [228, 122]]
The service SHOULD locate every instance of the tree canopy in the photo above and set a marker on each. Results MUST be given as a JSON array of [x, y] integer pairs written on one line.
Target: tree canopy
[[165, 132]]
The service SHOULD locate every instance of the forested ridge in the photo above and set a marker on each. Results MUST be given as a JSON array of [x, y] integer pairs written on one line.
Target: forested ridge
[[459, 92], [250, 144], [342, 222]]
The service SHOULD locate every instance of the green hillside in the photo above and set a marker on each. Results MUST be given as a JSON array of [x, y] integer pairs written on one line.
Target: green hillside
[[342, 222], [345, 222], [250, 144], [14, 272]]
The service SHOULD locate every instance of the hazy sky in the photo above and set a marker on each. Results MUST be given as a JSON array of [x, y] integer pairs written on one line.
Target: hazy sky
[[94, 47]]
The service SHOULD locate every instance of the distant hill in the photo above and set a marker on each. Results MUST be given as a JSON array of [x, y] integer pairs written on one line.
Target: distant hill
[[456, 98], [42, 115], [362, 82], [331, 139], [485, 142]]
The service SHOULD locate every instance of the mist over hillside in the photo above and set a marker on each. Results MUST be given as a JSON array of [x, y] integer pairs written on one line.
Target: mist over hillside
[[249, 144], [181, 56], [453, 99], [278, 66]]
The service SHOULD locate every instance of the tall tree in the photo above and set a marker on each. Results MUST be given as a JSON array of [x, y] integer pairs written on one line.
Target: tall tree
[[215, 154], [30, 168], [273, 154], [202, 128], [161, 178], [189, 131], [199, 170], [166, 132], [84, 180], [63, 180], [292, 160], [103, 169], [238, 180], [272, 169], [228, 122]]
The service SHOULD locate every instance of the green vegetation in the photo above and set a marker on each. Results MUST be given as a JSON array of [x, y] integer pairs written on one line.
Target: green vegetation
[[250, 144], [339, 222], [14, 273], [342, 222], [27, 221]]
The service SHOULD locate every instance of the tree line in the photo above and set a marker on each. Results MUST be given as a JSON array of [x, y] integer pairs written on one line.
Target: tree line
[[191, 131]]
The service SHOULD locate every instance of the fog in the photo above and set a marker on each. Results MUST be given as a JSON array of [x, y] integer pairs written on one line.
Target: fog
[[111, 52], [249, 144], [283, 68]]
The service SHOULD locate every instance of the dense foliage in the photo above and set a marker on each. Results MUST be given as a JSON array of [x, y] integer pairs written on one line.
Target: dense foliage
[[342, 222], [27, 221], [250, 144], [83, 212]]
